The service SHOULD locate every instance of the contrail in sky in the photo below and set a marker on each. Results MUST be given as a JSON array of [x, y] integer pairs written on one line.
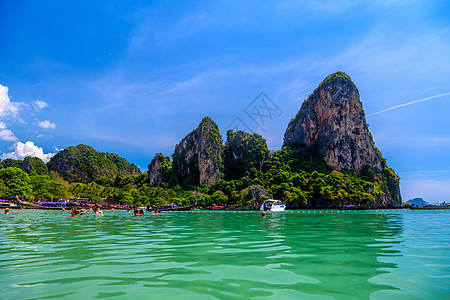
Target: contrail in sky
[[409, 103]]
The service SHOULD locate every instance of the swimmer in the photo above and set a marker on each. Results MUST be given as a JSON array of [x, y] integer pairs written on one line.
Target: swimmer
[[112, 209], [6, 212], [74, 213], [82, 212], [263, 214]]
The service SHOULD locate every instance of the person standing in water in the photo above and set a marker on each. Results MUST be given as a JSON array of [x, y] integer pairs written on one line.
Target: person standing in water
[[74, 213], [6, 212]]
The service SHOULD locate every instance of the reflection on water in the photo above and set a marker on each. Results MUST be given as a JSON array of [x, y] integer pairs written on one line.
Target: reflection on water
[[353, 255]]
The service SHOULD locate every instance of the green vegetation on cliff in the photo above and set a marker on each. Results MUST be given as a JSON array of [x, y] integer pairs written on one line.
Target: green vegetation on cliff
[[30, 165], [337, 77], [9, 162], [299, 177], [84, 164], [34, 166], [242, 152]]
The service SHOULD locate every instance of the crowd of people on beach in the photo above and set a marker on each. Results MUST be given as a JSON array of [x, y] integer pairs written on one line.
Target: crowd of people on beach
[[137, 212]]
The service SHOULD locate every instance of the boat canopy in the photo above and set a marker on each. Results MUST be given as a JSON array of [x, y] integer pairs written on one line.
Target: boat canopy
[[272, 202]]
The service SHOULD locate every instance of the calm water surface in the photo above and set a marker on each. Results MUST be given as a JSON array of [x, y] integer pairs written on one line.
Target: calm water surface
[[224, 255]]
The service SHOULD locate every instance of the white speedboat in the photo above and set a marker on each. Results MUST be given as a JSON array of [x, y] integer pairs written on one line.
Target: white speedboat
[[272, 205]]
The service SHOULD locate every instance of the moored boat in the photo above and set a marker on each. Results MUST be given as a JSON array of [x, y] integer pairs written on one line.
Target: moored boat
[[9, 204], [352, 207], [432, 206], [170, 207], [31, 205], [272, 205], [240, 207]]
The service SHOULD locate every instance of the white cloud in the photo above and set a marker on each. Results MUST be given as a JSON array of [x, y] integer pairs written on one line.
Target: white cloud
[[6, 134], [40, 104], [22, 150], [47, 124], [6, 106]]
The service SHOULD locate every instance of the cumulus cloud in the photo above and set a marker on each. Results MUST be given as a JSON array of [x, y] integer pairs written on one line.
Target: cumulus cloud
[[22, 150], [6, 134], [47, 124], [6, 106], [40, 104]]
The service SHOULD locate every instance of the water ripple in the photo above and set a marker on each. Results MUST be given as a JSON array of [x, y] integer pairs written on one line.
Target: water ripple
[[224, 255]]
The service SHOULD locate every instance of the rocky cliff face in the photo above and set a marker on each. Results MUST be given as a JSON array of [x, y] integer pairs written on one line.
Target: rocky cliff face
[[197, 159], [333, 120], [159, 170], [242, 152]]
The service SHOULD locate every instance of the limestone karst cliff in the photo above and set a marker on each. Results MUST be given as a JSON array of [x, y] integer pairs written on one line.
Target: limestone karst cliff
[[332, 118], [332, 121], [242, 152], [328, 159], [159, 170], [197, 159]]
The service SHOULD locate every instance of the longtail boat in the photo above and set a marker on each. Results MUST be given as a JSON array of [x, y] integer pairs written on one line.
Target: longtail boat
[[9, 204], [432, 206], [31, 205], [170, 207], [353, 207]]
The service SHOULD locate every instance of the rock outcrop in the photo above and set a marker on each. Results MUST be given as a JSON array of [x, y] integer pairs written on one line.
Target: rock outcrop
[[159, 170], [242, 152], [331, 121], [256, 192], [197, 159]]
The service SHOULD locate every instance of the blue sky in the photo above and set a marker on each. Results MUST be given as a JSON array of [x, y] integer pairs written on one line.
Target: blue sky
[[134, 77]]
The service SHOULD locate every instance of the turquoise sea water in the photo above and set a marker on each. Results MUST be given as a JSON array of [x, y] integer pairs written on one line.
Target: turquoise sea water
[[395, 254]]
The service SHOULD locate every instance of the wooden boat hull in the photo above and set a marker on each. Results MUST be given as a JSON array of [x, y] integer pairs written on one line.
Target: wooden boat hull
[[29, 205], [431, 207], [179, 208], [241, 208], [8, 205], [352, 208]]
